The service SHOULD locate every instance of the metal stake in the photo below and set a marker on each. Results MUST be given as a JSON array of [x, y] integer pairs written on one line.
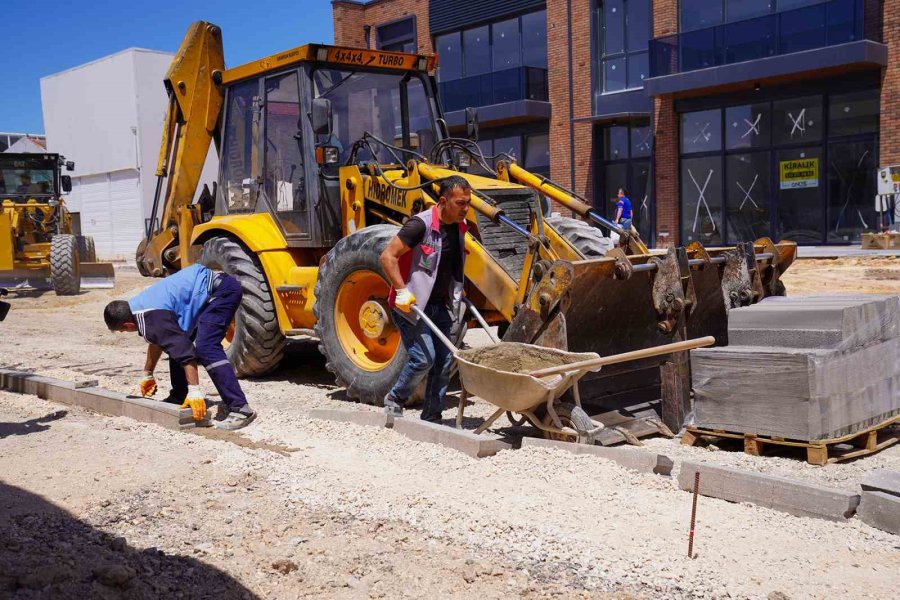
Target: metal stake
[[693, 515]]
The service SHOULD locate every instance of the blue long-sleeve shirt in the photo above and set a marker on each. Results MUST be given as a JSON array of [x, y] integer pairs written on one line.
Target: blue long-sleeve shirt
[[184, 293]]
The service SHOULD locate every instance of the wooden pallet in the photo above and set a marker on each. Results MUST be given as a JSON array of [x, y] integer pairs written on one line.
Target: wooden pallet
[[818, 452]]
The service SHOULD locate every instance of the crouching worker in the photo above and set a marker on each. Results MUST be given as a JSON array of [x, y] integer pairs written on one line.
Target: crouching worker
[[424, 264], [186, 315]]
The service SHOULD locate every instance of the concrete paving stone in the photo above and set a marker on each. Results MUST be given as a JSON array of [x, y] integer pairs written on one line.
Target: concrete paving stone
[[368, 418], [793, 338], [770, 491], [636, 460], [880, 510], [860, 318], [477, 446], [883, 480]]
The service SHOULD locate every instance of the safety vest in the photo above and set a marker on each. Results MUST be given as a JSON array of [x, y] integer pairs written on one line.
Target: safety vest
[[419, 267]]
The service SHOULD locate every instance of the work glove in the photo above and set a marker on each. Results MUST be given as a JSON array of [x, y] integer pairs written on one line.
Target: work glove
[[148, 384], [404, 300], [196, 402]]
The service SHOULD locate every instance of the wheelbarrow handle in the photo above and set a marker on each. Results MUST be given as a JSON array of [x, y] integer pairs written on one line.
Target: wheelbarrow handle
[[434, 328], [481, 321], [626, 356]]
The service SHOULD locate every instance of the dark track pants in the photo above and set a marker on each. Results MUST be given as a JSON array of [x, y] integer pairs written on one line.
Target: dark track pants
[[212, 325]]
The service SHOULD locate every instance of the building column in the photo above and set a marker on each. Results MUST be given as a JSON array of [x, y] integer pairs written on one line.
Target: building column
[[558, 90], [570, 90], [889, 134], [665, 171], [666, 131]]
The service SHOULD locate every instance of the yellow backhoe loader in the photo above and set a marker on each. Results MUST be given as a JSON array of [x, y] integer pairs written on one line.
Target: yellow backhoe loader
[[324, 151], [38, 245]]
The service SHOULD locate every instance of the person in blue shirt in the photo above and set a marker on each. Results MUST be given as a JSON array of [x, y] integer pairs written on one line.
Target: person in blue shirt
[[623, 210], [186, 315]]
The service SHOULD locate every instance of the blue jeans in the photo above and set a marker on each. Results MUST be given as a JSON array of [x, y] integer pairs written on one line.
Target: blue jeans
[[427, 356], [625, 224], [212, 325]]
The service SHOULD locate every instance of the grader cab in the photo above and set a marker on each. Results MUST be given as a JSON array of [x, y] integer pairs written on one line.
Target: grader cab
[[39, 247], [325, 151]]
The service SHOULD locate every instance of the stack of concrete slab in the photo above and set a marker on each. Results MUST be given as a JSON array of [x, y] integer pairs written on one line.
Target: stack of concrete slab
[[806, 368]]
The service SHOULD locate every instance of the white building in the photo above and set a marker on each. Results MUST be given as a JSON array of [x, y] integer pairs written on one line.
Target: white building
[[107, 116]]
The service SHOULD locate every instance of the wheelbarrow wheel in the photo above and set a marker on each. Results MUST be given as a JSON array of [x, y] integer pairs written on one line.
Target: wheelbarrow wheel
[[571, 416]]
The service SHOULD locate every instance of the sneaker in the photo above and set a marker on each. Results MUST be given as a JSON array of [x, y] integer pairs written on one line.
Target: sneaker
[[392, 407], [236, 419]]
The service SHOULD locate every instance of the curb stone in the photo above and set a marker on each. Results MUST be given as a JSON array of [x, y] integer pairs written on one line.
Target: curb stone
[[636, 460], [100, 400], [769, 491]]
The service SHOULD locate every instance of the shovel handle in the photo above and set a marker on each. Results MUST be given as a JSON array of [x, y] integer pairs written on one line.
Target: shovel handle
[[626, 356]]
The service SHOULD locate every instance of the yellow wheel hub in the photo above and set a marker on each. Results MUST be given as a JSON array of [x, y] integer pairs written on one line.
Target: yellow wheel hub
[[363, 323], [374, 319]]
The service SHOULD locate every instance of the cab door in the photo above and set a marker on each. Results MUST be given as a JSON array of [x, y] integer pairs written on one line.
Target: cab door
[[284, 170]]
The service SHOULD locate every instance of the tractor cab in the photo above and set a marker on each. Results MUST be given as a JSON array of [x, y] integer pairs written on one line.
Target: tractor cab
[[33, 177], [286, 132]]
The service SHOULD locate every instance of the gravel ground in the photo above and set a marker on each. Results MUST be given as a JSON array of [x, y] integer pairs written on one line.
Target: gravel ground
[[339, 510]]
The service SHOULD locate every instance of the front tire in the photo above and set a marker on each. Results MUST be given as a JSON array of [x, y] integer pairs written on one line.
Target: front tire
[[65, 272], [350, 279], [257, 344]]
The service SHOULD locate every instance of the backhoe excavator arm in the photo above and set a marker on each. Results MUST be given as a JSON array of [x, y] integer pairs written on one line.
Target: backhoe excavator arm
[[195, 102], [512, 171]]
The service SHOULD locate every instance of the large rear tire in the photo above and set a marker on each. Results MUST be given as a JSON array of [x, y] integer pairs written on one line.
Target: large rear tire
[[590, 241], [350, 288], [65, 272], [257, 344]]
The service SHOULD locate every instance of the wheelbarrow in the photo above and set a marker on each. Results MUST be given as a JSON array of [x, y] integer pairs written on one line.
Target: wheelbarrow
[[522, 393]]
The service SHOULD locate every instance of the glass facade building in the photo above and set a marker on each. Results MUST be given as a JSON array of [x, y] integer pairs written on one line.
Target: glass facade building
[[725, 120]]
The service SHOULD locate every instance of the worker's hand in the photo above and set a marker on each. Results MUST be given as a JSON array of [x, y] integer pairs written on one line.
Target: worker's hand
[[148, 384], [404, 300], [196, 402]]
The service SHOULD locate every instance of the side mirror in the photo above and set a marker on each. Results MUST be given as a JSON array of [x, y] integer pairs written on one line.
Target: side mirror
[[65, 182], [70, 165], [321, 116], [472, 123]]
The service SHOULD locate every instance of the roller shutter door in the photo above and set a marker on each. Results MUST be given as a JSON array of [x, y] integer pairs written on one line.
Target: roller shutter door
[[111, 212]]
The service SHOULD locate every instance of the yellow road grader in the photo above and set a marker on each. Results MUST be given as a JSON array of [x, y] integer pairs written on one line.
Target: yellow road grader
[[324, 151], [38, 245]]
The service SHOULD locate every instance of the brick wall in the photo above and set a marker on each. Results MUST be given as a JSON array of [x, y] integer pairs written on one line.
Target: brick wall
[[350, 20], [561, 119], [665, 127], [558, 87], [889, 134]]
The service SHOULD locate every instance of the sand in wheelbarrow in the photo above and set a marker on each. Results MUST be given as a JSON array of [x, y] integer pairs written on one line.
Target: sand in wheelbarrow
[[516, 358]]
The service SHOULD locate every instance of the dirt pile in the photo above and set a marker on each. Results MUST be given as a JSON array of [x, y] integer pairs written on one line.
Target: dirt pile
[[517, 358]]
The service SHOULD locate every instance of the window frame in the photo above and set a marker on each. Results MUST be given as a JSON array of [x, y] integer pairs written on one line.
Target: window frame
[[380, 43], [823, 144], [600, 58], [490, 27]]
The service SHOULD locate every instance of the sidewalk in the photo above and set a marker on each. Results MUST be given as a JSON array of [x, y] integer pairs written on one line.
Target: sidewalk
[[842, 252]]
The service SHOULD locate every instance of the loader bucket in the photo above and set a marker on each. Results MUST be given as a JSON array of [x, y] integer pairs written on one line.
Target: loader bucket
[[93, 276], [97, 275]]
